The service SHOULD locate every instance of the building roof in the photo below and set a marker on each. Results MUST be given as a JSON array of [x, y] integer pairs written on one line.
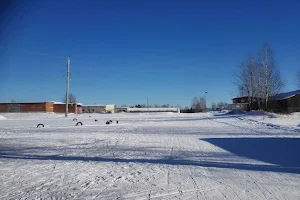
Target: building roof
[[54, 102], [286, 95], [240, 97], [20, 102], [246, 97], [95, 105], [100, 105]]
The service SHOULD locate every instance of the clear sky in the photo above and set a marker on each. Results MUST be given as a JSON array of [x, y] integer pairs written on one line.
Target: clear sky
[[125, 51]]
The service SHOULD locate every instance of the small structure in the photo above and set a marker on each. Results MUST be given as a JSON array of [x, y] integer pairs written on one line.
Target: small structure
[[287, 102], [59, 107], [121, 109], [240, 106], [49, 106], [245, 103], [98, 108]]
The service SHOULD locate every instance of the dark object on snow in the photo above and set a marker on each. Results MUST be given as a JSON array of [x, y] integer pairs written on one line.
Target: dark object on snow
[[108, 122], [40, 125], [74, 119], [117, 122], [79, 123], [89, 116], [96, 120]]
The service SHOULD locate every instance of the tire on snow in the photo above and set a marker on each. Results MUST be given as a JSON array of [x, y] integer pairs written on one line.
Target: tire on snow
[[40, 125], [79, 123]]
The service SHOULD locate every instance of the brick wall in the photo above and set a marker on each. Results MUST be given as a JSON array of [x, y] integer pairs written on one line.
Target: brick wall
[[49, 107], [38, 107], [79, 109], [2, 107], [32, 107], [61, 108]]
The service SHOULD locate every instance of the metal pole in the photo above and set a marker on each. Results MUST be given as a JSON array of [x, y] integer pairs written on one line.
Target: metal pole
[[205, 101], [67, 87], [148, 104], [76, 109]]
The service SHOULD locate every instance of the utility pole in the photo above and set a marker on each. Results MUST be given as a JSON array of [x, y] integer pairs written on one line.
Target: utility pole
[[205, 100], [147, 104], [67, 86], [75, 109]]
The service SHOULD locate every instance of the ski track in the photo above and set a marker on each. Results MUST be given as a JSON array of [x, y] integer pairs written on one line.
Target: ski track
[[145, 156]]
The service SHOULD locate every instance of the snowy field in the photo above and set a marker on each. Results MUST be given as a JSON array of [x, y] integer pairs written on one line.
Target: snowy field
[[150, 156]]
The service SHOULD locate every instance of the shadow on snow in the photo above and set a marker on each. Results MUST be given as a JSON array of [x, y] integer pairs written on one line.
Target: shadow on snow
[[282, 152]]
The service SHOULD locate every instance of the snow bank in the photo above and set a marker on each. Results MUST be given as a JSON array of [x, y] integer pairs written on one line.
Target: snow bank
[[256, 113], [2, 118], [236, 112]]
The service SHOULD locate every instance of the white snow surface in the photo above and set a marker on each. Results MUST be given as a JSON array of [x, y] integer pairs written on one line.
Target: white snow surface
[[283, 120], [149, 156]]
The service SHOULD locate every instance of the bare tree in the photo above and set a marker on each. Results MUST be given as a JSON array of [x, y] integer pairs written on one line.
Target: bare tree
[[213, 105], [221, 105], [242, 79], [71, 99], [257, 77], [202, 103], [298, 78], [195, 105], [271, 76]]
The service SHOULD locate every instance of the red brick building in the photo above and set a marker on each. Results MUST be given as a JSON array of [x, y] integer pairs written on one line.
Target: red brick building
[[56, 107]]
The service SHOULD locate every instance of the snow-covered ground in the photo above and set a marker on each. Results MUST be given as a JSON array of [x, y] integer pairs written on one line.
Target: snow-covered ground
[[287, 120], [149, 156]]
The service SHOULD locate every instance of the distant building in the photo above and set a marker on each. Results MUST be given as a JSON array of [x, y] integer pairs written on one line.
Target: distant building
[[177, 110], [287, 102], [121, 109], [98, 108], [244, 103], [51, 106]]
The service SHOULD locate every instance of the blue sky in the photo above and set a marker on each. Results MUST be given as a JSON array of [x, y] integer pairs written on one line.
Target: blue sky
[[125, 51]]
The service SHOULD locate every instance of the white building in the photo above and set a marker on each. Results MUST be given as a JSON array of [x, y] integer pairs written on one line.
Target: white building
[[98, 108]]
